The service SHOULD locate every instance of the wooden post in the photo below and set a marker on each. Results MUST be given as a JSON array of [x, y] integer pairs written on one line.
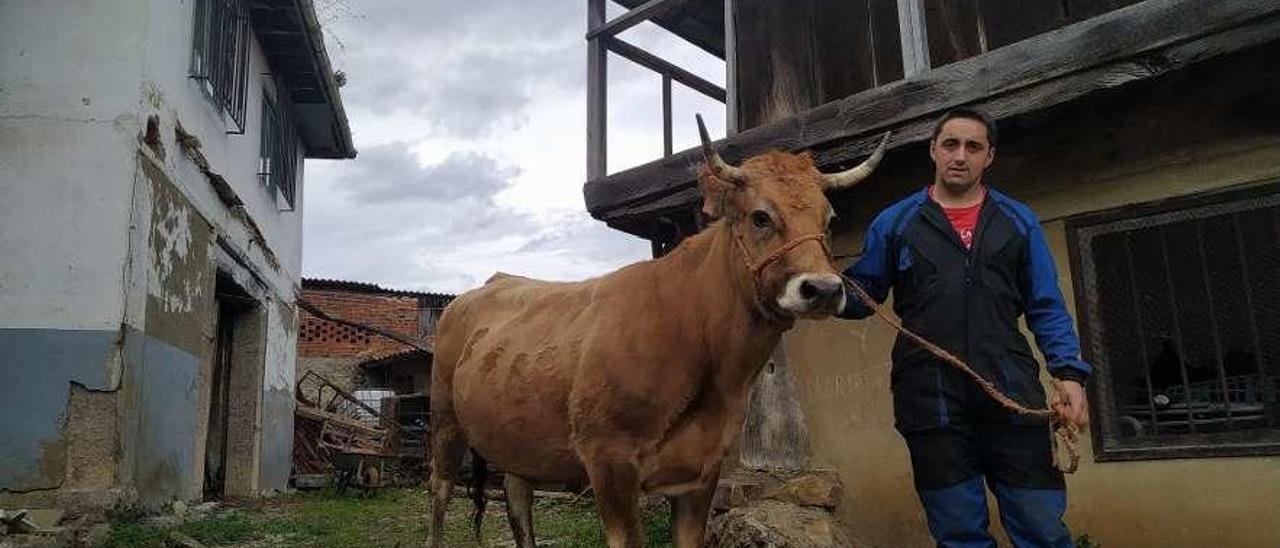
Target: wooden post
[[666, 115], [597, 121], [915, 37], [655, 248], [730, 69], [774, 433]]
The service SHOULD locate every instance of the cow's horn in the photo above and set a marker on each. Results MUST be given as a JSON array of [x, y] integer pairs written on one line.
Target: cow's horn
[[853, 176], [719, 167]]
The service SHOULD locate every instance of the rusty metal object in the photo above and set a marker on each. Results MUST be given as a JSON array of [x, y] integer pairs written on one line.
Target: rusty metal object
[[336, 433]]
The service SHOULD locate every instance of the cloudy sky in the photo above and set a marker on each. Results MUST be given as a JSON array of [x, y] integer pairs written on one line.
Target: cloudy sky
[[470, 123]]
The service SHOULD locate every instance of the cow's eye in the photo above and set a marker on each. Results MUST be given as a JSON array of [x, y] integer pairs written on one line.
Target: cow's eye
[[761, 219]]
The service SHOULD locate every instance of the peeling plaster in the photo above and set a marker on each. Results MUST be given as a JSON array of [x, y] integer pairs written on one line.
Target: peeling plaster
[[153, 95], [191, 145], [38, 366], [92, 438], [180, 277], [282, 342], [171, 245]]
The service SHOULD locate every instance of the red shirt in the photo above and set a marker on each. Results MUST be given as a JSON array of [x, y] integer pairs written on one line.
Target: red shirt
[[964, 219]]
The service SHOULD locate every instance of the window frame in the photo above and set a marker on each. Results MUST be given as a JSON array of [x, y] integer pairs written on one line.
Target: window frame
[[278, 140], [1101, 390], [222, 78]]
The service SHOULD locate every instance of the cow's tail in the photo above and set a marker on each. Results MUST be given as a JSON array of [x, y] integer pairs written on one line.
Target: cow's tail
[[479, 478]]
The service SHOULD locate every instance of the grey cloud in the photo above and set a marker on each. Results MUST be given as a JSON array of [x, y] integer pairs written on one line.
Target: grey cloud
[[458, 67], [391, 173], [465, 72], [582, 236], [450, 246], [475, 19], [466, 94]]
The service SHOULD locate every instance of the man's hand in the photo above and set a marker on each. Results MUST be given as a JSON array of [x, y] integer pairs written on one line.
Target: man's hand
[[1072, 403]]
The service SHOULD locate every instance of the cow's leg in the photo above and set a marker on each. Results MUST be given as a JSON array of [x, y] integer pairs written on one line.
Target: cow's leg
[[519, 510], [616, 483], [447, 449], [689, 516]]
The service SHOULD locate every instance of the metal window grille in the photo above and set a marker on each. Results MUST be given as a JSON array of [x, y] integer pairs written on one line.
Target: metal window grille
[[220, 55], [1181, 311], [278, 165]]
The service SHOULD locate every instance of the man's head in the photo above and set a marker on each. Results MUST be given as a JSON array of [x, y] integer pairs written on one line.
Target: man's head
[[962, 148]]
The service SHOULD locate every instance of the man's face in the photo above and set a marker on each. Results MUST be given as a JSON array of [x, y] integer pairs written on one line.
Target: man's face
[[961, 153]]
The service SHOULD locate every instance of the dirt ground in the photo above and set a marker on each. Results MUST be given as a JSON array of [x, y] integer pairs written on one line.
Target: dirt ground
[[389, 518]]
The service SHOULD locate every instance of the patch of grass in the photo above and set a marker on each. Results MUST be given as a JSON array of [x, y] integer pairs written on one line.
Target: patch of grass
[[578, 527], [220, 530], [391, 518], [657, 528], [131, 534]]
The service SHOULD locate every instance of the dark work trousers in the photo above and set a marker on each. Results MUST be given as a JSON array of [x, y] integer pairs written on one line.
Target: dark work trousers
[[1013, 457]]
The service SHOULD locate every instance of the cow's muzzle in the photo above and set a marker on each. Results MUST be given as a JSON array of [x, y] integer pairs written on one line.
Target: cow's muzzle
[[812, 295]]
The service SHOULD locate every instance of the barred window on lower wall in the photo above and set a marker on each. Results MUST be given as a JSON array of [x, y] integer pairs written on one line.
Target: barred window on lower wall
[[1179, 306]]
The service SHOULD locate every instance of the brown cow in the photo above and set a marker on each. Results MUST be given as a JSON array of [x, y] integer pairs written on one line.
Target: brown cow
[[637, 380]]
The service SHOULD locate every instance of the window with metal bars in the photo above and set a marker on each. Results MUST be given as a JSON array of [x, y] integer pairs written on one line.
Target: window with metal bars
[[1180, 312], [278, 163], [220, 55]]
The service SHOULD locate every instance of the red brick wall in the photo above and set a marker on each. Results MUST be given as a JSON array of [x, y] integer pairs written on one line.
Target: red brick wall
[[320, 338]]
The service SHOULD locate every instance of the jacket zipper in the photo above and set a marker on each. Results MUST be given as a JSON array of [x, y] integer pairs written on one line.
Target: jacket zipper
[[968, 285]]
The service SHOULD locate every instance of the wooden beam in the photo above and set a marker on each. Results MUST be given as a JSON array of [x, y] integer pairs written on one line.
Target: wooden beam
[[662, 66], [698, 23], [597, 101], [647, 11], [730, 68], [1137, 43], [915, 37], [666, 115]]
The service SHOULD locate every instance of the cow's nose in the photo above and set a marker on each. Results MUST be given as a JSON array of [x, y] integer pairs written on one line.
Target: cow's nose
[[819, 289]]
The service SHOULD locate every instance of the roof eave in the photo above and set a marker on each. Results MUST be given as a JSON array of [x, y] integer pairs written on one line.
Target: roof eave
[[345, 147], [293, 43]]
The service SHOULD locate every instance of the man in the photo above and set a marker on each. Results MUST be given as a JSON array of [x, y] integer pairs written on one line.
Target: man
[[964, 261]]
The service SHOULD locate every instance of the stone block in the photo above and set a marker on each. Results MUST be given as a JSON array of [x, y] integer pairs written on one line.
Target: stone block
[[777, 525], [810, 489], [732, 493]]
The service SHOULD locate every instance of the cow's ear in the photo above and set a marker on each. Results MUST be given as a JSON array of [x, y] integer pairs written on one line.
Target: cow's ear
[[716, 195]]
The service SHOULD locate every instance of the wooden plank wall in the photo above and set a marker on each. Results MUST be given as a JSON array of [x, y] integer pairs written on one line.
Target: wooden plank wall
[[962, 29], [886, 41], [796, 55]]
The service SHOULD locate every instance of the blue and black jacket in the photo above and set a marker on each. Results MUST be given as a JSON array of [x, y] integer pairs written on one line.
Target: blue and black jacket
[[968, 302]]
